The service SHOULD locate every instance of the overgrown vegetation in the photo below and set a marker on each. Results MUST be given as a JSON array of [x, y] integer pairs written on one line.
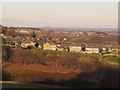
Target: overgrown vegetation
[[56, 67], [6, 52], [45, 57]]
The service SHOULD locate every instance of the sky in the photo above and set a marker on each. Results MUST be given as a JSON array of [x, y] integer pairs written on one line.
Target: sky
[[60, 14]]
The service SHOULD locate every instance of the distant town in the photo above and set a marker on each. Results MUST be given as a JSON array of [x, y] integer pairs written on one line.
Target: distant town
[[62, 39]]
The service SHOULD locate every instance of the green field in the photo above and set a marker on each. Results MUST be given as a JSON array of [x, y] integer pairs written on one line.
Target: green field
[[113, 59]]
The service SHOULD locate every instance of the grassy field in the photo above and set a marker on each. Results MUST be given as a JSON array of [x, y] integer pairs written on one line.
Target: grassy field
[[112, 59]]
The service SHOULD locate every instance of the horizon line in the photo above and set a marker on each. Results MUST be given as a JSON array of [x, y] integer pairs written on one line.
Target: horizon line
[[60, 27]]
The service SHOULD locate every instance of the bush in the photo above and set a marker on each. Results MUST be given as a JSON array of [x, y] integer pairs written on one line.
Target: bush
[[30, 47], [6, 52]]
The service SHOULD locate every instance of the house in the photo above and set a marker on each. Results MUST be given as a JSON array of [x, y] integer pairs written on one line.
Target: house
[[113, 49], [48, 46], [25, 44], [1, 35], [13, 42], [75, 49], [92, 49], [37, 45], [106, 50], [59, 47]]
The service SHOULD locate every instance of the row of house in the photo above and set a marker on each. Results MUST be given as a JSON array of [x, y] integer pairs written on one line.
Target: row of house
[[86, 49], [52, 46]]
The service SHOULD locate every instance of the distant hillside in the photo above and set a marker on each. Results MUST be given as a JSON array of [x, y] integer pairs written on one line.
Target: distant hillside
[[82, 29], [92, 29], [71, 29]]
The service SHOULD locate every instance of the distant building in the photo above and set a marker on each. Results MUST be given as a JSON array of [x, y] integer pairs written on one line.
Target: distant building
[[75, 48], [48, 46], [91, 33], [27, 31]]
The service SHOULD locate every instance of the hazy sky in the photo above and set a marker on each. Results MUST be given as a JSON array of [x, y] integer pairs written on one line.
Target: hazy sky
[[61, 14]]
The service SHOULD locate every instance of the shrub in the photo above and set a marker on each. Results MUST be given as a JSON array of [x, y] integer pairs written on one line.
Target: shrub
[[6, 52], [30, 47]]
